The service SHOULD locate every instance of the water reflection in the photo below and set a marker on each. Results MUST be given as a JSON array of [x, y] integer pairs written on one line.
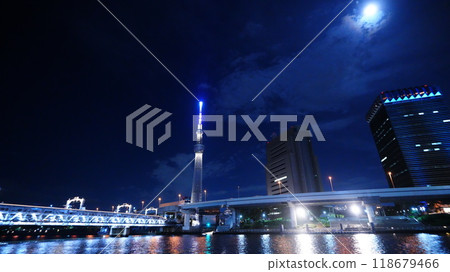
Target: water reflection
[[265, 244], [430, 243], [305, 243], [208, 244], [366, 243], [242, 244], [227, 243], [330, 243]]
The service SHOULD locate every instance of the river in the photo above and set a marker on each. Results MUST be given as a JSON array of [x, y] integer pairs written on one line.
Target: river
[[234, 243]]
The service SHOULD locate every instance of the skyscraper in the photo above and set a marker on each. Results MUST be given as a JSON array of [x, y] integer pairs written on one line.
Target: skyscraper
[[196, 195], [411, 129], [294, 165]]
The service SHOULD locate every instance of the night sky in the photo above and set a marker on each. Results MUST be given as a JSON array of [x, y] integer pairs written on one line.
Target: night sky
[[71, 74]]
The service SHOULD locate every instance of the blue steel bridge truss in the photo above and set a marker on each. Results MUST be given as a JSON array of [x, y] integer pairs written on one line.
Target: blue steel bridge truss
[[12, 214]]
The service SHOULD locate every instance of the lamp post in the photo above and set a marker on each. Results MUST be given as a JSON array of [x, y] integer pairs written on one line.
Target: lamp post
[[204, 191], [142, 202], [159, 200], [331, 183], [390, 177], [112, 208], [179, 197], [239, 187]]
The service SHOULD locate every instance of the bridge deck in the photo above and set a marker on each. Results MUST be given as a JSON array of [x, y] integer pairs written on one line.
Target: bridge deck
[[320, 198]]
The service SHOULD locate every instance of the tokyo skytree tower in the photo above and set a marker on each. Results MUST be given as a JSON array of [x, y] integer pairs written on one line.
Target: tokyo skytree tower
[[196, 195]]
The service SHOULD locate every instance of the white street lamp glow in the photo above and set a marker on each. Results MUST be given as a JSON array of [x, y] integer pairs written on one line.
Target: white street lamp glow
[[355, 209], [370, 10], [302, 213]]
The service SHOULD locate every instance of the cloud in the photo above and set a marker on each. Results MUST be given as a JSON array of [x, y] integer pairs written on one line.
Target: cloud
[[338, 124], [165, 170], [335, 69]]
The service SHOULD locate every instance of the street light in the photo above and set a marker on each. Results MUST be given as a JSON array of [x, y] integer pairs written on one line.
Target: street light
[[179, 197], [142, 202], [204, 191], [97, 209], [238, 190], [159, 200], [392, 181], [279, 187], [331, 183], [112, 208], [302, 213], [355, 209]]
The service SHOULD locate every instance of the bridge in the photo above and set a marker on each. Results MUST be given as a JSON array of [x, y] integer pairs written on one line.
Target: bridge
[[14, 214], [368, 199], [335, 197]]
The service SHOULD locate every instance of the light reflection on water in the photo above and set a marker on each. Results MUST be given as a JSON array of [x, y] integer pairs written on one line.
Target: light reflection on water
[[366, 243], [306, 244], [234, 244], [265, 243]]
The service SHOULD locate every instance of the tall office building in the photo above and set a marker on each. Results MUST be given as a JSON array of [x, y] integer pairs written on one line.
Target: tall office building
[[293, 164], [411, 129]]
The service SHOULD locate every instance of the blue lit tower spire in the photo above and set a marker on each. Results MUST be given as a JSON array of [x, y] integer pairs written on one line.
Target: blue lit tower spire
[[196, 195]]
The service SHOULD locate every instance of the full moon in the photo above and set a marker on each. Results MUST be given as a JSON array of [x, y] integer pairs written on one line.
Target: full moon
[[370, 10]]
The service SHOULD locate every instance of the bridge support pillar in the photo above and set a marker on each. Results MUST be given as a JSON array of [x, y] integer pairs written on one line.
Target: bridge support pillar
[[187, 221], [119, 231], [293, 214], [232, 220], [237, 218], [370, 215]]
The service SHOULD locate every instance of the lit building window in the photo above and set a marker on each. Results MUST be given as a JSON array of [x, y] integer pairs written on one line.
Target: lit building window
[[436, 149], [426, 150], [421, 113], [383, 159], [436, 111], [406, 115], [417, 145], [438, 143], [446, 120]]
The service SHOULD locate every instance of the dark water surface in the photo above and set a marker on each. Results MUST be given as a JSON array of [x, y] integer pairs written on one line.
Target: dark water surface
[[233, 243]]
